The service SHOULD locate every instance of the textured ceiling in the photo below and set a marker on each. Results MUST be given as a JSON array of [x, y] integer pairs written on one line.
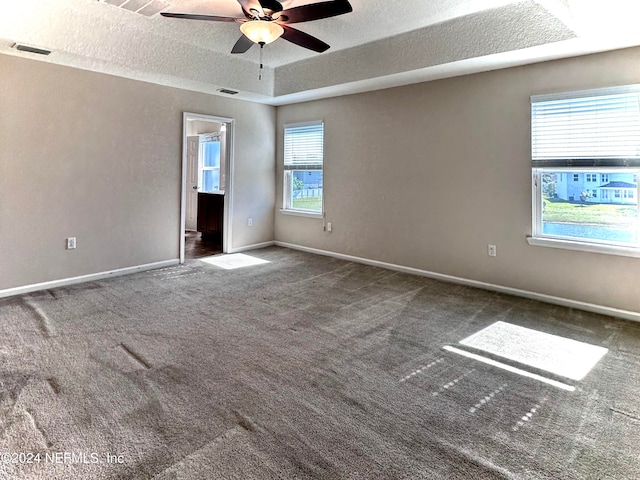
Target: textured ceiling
[[375, 46]]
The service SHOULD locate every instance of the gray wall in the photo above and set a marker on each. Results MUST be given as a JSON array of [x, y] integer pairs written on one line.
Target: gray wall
[[427, 175], [422, 176], [98, 157]]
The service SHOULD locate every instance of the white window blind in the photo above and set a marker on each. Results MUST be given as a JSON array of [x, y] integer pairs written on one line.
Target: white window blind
[[304, 146], [593, 128]]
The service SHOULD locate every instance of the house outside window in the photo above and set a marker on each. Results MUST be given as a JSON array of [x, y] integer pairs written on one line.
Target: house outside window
[[303, 168], [585, 162]]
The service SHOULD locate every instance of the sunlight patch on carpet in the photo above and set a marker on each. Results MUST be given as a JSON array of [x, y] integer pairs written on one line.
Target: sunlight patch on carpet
[[544, 351], [233, 261], [509, 368]]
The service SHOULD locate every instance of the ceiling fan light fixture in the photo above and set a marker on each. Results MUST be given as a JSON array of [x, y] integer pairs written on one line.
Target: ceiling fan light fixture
[[261, 31]]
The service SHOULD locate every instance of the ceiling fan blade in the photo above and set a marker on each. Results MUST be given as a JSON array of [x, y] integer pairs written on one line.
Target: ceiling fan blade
[[249, 5], [242, 45], [272, 5], [304, 39], [315, 11], [194, 16]]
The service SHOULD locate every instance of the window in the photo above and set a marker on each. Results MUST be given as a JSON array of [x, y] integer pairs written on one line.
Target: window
[[591, 135], [303, 168], [209, 160]]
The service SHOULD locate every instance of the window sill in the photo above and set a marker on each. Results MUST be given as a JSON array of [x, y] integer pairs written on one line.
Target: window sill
[[584, 247], [301, 213]]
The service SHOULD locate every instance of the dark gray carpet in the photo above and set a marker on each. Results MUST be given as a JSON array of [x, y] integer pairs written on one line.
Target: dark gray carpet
[[305, 367]]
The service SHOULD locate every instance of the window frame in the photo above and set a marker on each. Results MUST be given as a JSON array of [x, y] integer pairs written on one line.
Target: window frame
[[287, 174], [590, 165], [540, 239], [205, 139]]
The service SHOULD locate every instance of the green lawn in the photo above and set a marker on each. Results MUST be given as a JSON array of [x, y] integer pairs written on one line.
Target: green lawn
[[571, 212], [308, 203]]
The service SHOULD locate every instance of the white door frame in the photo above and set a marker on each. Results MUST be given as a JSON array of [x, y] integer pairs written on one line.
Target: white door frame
[[228, 187]]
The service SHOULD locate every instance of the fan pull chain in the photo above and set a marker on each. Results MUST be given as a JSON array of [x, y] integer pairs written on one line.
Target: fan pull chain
[[260, 71]]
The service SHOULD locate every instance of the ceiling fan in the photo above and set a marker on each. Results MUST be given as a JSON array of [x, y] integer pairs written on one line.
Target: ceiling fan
[[265, 21]]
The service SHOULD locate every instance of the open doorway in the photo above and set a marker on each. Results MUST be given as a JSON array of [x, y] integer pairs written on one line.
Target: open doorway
[[207, 160]]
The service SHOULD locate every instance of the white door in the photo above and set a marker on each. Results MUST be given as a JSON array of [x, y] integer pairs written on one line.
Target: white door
[[193, 148]]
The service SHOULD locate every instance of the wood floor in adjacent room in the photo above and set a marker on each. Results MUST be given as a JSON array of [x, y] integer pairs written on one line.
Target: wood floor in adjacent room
[[299, 367], [197, 246]]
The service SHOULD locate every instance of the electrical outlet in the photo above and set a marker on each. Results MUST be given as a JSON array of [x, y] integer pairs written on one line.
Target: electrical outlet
[[492, 251], [329, 226], [71, 243], [250, 222]]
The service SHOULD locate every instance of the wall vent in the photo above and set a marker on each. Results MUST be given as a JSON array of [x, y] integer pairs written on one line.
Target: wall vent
[[227, 91], [27, 48]]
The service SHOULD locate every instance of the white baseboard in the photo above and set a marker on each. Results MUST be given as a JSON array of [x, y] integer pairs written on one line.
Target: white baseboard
[[86, 278], [255, 246], [565, 302]]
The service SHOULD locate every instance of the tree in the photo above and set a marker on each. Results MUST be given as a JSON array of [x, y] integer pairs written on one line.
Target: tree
[[297, 184], [549, 185]]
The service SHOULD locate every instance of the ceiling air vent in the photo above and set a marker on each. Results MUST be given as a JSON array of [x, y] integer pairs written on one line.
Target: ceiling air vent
[[227, 91], [27, 48], [116, 3], [148, 8]]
